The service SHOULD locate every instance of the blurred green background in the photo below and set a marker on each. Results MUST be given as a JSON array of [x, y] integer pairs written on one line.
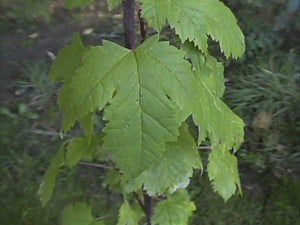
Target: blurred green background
[[263, 88]]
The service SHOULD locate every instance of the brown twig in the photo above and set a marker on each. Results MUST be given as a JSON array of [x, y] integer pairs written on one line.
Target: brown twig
[[142, 23], [129, 24]]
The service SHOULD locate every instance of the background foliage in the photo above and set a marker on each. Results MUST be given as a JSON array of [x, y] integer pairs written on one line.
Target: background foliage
[[263, 88]]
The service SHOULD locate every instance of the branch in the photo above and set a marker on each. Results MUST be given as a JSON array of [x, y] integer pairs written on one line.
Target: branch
[[129, 24], [142, 23]]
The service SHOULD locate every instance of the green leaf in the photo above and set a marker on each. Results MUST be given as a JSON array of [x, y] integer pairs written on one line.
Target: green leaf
[[87, 124], [208, 66], [77, 149], [213, 75], [129, 215], [113, 180], [78, 3], [146, 95], [67, 61], [80, 148], [47, 186], [146, 92], [78, 214], [223, 172], [214, 118], [176, 210], [63, 69], [193, 54], [113, 4], [174, 168], [195, 20]]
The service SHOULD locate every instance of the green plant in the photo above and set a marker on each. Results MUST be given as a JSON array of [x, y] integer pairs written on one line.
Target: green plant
[[279, 206], [25, 13], [145, 95], [267, 97]]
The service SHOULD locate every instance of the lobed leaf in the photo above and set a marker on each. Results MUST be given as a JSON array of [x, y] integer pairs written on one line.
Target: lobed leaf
[[223, 172], [146, 95], [208, 66], [195, 20], [129, 215], [172, 170], [63, 69], [214, 118], [67, 61], [176, 210], [143, 93]]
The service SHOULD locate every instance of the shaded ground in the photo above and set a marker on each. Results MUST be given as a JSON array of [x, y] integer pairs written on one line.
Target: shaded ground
[[29, 119], [21, 44]]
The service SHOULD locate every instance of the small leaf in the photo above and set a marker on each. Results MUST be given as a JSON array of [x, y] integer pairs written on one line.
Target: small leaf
[[176, 210], [47, 186], [223, 172], [129, 215], [78, 3]]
